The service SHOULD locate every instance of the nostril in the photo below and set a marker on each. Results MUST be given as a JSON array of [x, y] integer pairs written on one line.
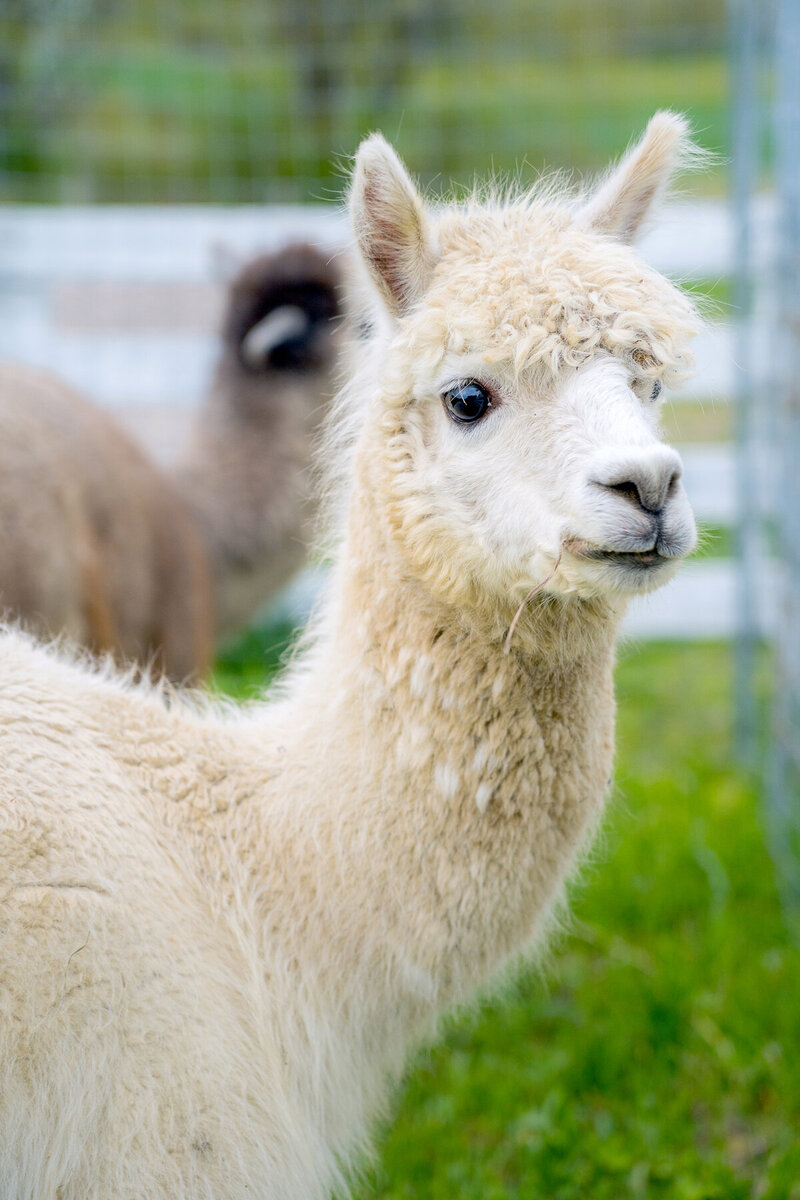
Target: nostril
[[628, 489], [647, 482]]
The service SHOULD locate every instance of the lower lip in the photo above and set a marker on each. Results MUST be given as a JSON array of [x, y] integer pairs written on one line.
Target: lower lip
[[641, 560], [645, 561]]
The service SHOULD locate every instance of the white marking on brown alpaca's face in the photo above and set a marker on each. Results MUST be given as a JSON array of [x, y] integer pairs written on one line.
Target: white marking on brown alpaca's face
[[519, 384]]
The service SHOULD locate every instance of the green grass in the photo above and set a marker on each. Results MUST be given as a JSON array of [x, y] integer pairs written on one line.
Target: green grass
[[656, 1056], [247, 663], [716, 541]]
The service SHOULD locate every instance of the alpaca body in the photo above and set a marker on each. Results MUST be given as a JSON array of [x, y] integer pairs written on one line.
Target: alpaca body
[[247, 483], [177, 953], [221, 932], [94, 540]]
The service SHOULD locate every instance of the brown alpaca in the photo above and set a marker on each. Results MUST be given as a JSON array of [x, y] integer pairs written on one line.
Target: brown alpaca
[[95, 541], [98, 542], [246, 473]]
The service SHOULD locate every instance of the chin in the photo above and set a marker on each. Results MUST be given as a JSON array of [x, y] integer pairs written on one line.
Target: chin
[[625, 576], [591, 571]]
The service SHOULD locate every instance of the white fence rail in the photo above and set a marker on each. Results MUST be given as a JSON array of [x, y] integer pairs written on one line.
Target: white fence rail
[[125, 302]]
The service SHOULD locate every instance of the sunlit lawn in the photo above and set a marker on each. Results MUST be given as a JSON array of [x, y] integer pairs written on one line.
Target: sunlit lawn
[[657, 1055]]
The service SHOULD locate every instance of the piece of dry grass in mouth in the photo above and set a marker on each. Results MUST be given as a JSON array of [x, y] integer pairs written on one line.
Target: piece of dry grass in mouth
[[530, 595]]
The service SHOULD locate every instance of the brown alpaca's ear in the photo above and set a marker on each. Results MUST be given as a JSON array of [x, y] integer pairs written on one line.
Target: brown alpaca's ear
[[621, 203], [390, 225]]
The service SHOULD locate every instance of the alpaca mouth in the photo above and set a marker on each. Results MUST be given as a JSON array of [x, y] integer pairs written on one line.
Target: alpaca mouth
[[644, 560]]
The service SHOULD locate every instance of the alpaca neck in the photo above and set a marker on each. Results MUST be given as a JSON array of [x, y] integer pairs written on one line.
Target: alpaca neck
[[453, 786], [245, 478]]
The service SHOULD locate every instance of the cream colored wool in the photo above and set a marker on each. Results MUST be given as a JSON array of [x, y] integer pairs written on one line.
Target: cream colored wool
[[221, 931]]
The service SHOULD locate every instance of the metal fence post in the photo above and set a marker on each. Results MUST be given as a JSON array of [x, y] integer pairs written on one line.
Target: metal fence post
[[744, 171], [783, 791]]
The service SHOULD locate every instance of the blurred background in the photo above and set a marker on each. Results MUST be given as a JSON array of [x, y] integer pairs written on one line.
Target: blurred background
[[146, 144]]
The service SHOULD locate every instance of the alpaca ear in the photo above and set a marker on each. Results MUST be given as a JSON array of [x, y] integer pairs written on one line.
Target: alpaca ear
[[390, 225], [621, 203]]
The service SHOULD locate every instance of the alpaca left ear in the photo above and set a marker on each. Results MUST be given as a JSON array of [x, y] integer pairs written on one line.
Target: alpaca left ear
[[620, 205], [390, 225]]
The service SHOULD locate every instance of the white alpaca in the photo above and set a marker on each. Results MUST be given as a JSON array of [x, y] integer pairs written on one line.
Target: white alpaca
[[222, 931]]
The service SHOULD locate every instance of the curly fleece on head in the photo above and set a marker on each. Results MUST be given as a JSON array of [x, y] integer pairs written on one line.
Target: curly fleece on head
[[530, 286]]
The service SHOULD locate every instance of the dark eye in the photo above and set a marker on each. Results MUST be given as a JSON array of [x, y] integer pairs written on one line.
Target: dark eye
[[656, 392], [467, 402]]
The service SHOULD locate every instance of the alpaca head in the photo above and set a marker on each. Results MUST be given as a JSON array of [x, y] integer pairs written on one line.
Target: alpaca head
[[523, 353]]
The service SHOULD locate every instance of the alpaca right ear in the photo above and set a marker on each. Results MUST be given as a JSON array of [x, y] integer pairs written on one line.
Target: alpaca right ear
[[390, 225], [623, 201]]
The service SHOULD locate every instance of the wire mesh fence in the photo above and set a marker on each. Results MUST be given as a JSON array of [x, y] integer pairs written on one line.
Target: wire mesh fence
[[193, 103], [196, 101]]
